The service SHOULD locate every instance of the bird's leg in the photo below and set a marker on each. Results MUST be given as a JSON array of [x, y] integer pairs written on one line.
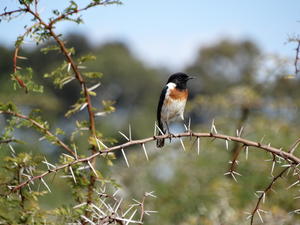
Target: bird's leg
[[168, 129]]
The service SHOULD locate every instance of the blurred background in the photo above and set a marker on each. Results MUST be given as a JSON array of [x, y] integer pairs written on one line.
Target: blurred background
[[244, 64]]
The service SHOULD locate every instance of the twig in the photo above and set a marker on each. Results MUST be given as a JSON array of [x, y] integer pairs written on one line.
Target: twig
[[82, 82], [9, 13], [41, 127], [297, 57], [263, 194]]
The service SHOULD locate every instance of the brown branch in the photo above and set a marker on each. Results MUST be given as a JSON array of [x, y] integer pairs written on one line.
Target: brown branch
[[16, 56], [234, 161], [75, 11], [81, 80], [6, 141], [263, 194], [41, 127], [9, 13], [297, 57], [142, 209], [292, 159]]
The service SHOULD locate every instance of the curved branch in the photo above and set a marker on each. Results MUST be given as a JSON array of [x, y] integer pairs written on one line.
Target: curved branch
[[41, 127], [287, 156]]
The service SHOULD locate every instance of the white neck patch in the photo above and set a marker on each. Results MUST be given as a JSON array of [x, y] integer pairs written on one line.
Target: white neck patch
[[171, 85]]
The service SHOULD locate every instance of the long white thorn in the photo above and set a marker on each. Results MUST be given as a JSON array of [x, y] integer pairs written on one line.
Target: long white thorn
[[160, 131], [124, 136], [213, 128], [297, 182], [247, 152], [71, 170], [227, 145], [128, 210], [129, 220], [129, 129], [79, 205], [182, 144], [151, 194], [93, 169], [148, 212], [145, 151], [83, 106], [45, 184], [98, 140], [88, 220], [260, 217], [124, 155], [48, 164], [198, 145], [98, 209], [94, 87], [272, 169], [118, 205]]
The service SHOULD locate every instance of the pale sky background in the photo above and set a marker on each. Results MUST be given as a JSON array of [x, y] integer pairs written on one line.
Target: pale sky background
[[169, 32]]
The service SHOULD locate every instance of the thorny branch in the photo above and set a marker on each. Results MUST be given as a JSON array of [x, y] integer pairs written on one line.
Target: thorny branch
[[263, 195], [292, 159], [297, 57], [42, 128], [49, 27]]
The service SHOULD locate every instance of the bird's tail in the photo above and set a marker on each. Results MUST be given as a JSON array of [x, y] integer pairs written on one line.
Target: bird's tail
[[160, 142]]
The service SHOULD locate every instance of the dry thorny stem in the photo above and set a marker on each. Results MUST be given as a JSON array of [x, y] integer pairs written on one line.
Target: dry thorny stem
[[290, 158], [42, 128], [50, 28], [262, 196], [292, 161]]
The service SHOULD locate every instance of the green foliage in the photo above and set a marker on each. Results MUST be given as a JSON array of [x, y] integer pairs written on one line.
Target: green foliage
[[24, 78], [50, 48]]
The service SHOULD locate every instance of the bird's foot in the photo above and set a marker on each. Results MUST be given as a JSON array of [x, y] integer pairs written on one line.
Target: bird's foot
[[170, 136]]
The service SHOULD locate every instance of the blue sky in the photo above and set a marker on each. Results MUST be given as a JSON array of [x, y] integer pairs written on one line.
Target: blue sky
[[169, 32]]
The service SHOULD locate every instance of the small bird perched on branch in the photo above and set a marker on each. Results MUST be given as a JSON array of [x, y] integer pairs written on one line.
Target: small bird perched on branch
[[172, 103]]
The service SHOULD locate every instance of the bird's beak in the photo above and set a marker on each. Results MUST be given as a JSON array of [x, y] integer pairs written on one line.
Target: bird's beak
[[190, 78]]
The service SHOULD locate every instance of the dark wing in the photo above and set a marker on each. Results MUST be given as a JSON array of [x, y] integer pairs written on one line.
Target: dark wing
[[160, 103], [160, 142]]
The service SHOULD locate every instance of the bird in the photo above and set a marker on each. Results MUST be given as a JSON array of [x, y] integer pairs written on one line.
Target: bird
[[171, 103]]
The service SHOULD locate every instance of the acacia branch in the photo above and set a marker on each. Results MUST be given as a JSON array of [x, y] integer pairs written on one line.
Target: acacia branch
[[76, 11], [9, 13], [292, 159], [79, 77], [264, 193], [42, 128]]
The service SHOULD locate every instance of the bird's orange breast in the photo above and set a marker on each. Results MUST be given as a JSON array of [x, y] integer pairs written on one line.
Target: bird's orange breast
[[177, 94]]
